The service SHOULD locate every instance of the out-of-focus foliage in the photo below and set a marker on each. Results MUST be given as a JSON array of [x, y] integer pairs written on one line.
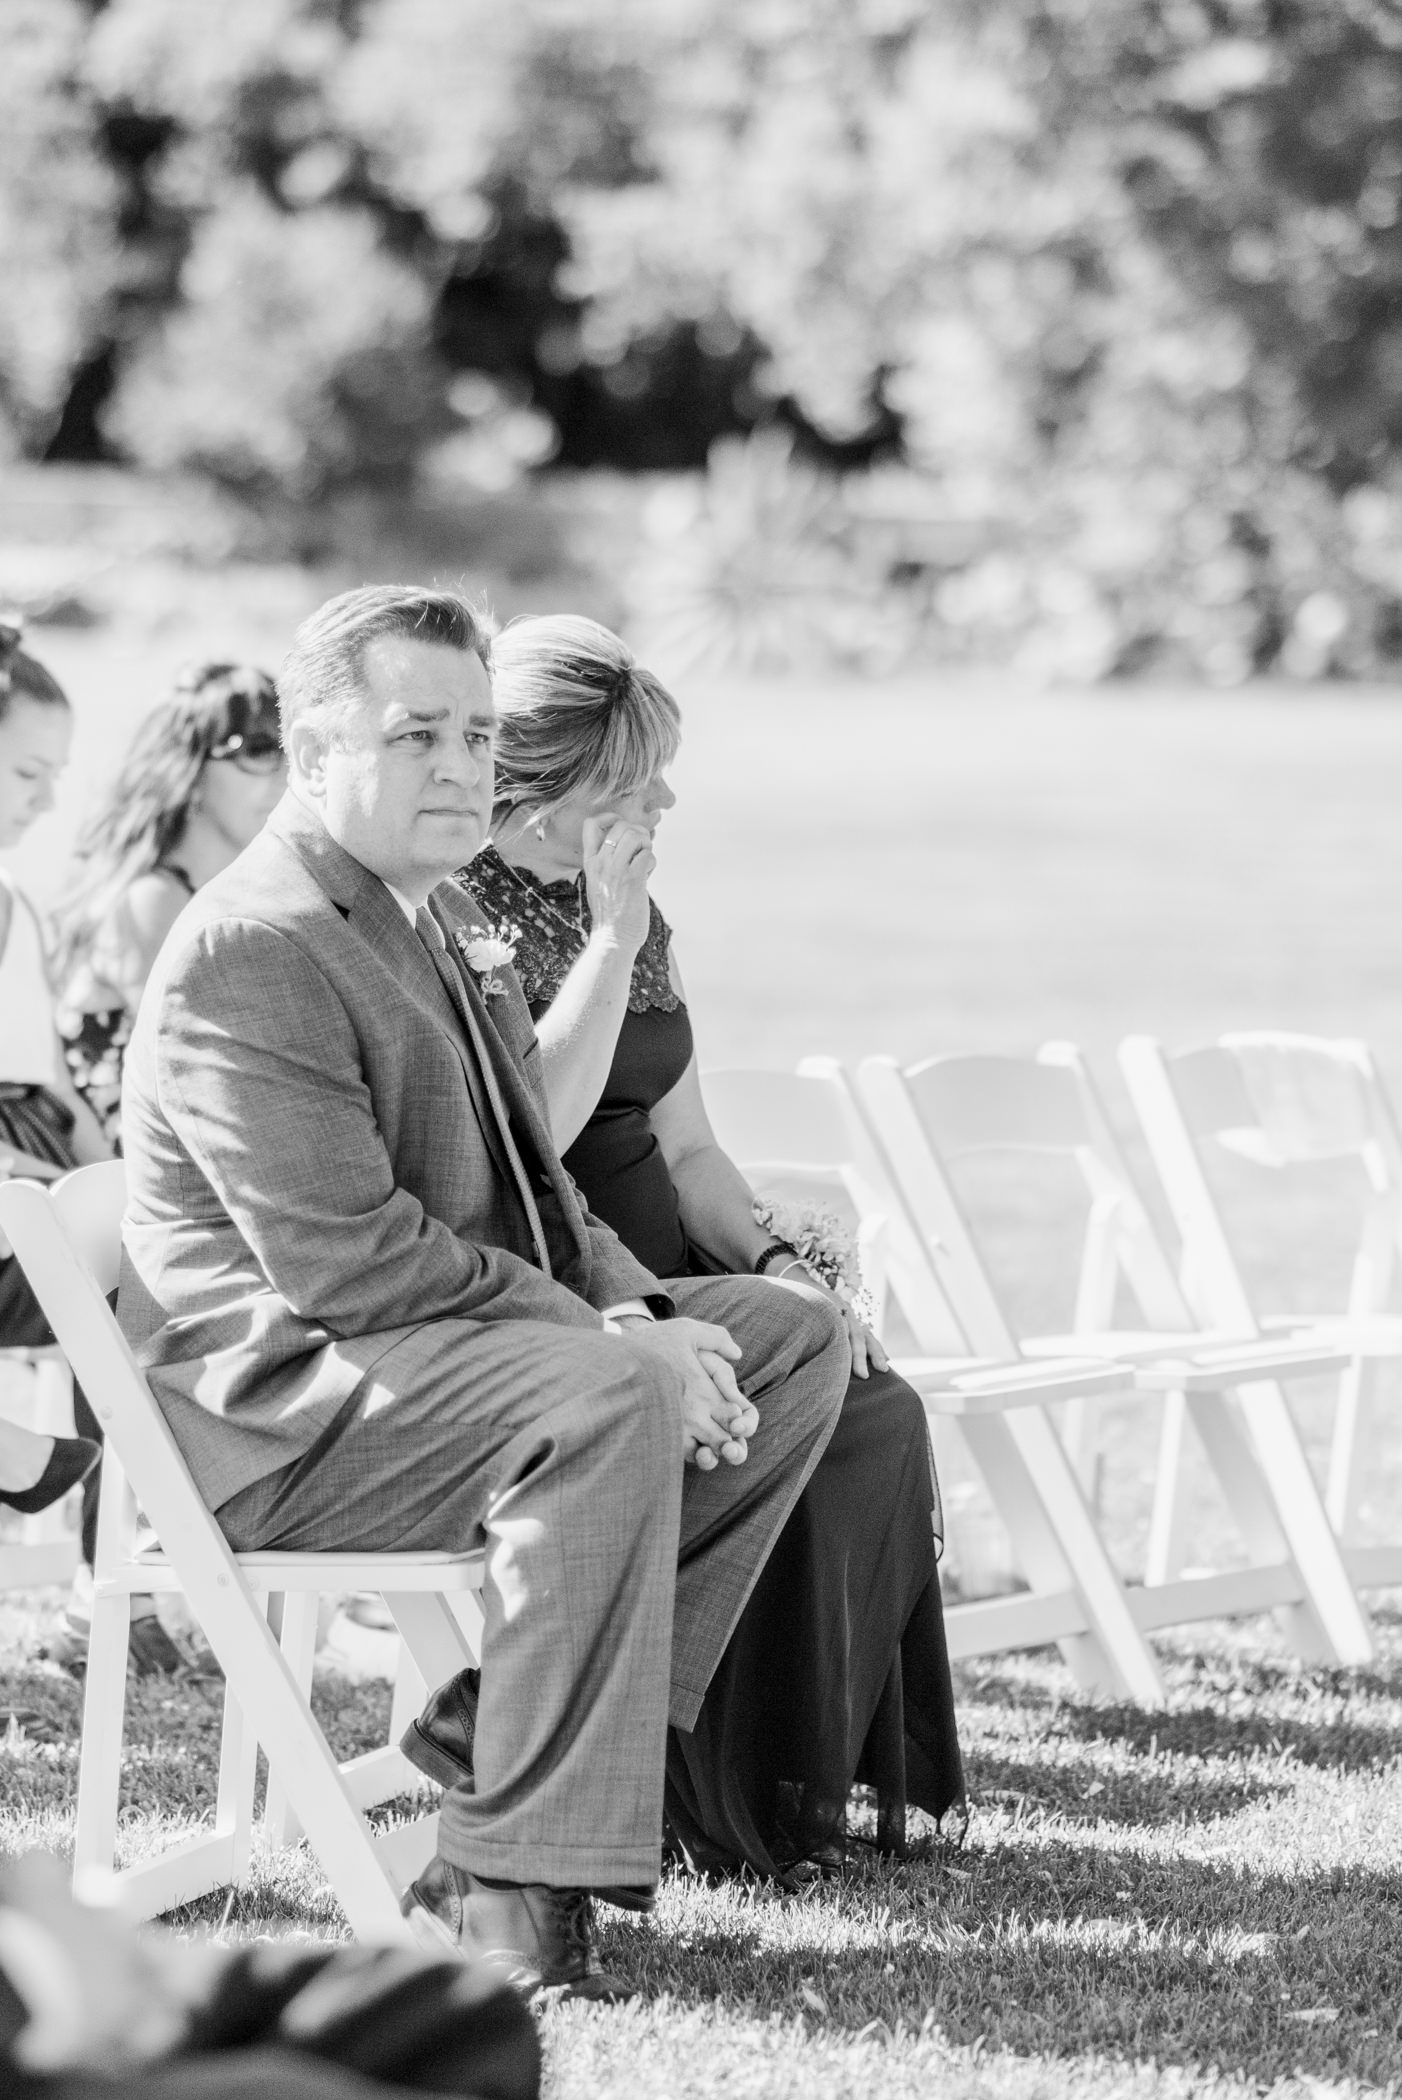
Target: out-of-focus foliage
[[1117, 283], [58, 208]]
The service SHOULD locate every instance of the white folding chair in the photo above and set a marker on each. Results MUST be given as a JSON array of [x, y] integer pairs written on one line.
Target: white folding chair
[[43, 1549], [806, 1127], [948, 1109], [1287, 1103], [67, 1238]]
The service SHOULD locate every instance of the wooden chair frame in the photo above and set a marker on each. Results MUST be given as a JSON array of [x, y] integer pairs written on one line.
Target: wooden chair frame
[[809, 1124], [66, 1236], [1315, 1100], [1224, 1378]]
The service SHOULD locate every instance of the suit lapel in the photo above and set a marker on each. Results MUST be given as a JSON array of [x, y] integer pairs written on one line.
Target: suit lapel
[[373, 912], [533, 1137]]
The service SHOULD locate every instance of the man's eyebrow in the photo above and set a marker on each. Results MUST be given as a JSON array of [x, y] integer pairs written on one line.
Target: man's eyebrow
[[401, 714]]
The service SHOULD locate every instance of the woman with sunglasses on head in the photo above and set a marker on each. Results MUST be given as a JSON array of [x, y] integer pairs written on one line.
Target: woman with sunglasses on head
[[203, 772], [44, 1127], [837, 1672]]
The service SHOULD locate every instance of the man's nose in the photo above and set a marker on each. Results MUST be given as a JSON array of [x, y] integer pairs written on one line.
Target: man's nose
[[43, 796], [662, 796], [456, 762]]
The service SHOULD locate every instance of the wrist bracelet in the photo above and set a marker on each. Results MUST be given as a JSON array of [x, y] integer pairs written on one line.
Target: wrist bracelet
[[799, 1263], [772, 1253]]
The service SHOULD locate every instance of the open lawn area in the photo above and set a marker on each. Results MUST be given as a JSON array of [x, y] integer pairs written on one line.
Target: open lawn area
[[1206, 1900]]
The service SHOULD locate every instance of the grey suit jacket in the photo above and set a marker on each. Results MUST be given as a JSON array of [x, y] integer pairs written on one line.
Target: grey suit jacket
[[313, 1161]]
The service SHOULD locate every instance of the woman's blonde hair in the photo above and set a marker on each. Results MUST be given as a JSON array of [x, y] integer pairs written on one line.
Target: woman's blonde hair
[[575, 712]]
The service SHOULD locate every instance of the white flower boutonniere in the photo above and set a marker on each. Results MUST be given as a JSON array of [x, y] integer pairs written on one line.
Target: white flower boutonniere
[[486, 953]]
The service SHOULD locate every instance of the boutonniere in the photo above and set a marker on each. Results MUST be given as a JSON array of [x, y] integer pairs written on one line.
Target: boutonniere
[[487, 952]]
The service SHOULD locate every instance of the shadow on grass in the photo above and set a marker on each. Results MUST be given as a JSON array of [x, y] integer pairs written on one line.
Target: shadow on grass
[[170, 1757], [1083, 1793], [1060, 1950], [1338, 1742]]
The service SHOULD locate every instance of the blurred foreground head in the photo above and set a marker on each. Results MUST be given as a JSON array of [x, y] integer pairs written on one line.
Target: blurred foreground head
[[580, 722], [36, 732]]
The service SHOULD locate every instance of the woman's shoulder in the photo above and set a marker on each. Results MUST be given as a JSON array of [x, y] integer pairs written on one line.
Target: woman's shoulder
[[653, 984]]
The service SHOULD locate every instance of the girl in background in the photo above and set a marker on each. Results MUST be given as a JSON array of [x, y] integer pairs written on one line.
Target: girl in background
[[203, 772], [44, 1127]]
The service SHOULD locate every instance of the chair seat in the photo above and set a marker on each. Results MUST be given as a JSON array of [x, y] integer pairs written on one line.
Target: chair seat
[[395, 1573], [954, 1386], [1203, 1362]]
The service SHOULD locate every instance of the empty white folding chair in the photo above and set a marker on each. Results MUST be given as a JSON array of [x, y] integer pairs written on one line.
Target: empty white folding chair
[[1287, 1103], [67, 1239], [1224, 1376], [807, 1128]]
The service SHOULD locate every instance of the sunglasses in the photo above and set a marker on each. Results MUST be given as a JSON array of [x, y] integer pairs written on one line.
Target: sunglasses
[[251, 754]]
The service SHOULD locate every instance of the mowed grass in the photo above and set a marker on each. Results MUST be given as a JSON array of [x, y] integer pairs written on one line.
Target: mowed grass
[[1205, 1900]]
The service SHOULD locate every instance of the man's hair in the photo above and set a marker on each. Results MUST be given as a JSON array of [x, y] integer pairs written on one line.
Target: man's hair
[[322, 675]]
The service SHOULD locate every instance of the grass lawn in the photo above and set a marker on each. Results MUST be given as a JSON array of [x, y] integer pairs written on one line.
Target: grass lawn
[[1204, 1901]]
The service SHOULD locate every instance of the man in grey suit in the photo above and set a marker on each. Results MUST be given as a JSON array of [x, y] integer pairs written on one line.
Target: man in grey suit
[[376, 1315]]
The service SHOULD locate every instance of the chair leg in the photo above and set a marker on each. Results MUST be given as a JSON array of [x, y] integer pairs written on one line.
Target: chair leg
[[410, 1692], [1348, 1449], [298, 1639], [238, 1769], [1039, 1500], [100, 1759], [433, 1635], [1168, 1523], [1340, 1631], [1081, 1437]]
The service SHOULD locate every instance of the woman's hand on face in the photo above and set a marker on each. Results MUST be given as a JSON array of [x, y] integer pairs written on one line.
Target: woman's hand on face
[[618, 862]]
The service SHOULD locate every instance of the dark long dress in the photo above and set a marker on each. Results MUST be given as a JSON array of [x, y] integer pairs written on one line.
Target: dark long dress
[[837, 1672]]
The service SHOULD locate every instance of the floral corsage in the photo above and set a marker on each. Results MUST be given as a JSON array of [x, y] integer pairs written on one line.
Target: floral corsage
[[822, 1242], [487, 952]]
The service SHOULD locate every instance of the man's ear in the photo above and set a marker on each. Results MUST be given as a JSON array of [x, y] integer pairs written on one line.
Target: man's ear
[[307, 745]]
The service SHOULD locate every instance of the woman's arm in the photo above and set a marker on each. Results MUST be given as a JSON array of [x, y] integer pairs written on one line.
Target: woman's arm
[[578, 1032], [713, 1196], [127, 943], [717, 1203]]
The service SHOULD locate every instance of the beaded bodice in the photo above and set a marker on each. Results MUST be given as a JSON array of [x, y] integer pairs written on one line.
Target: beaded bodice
[[554, 922]]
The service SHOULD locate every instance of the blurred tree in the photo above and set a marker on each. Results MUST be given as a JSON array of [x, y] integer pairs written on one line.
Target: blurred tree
[[58, 211]]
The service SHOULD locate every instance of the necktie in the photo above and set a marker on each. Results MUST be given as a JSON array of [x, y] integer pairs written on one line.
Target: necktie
[[431, 934]]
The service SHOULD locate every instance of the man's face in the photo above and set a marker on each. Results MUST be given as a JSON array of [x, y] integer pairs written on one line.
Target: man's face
[[406, 783]]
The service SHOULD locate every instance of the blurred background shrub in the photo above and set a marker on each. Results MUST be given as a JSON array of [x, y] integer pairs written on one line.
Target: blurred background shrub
[[1065, 333]]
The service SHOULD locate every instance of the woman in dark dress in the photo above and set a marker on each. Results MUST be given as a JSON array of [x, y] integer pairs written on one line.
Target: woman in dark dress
[[837, 1672]]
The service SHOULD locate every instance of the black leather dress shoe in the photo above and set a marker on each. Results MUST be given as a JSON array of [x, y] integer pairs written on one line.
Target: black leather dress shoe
[[440, 1744], [71, 1460], [535, 1938]]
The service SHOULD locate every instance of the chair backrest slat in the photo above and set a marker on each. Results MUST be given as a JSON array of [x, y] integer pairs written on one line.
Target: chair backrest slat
[[809, 1127], [1279, 1100], [984, 1104], [67, 1240], [951, 1107]]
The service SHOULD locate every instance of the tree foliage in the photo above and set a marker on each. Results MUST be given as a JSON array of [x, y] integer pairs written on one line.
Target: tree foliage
[[1123, 277]]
